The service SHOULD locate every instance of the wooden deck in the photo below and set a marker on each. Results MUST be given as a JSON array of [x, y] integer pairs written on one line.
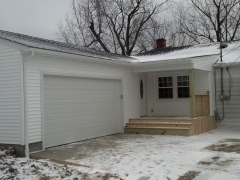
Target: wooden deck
[[182, 126]]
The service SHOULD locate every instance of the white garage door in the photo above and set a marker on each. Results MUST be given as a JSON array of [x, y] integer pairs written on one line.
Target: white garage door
[[80, 108]]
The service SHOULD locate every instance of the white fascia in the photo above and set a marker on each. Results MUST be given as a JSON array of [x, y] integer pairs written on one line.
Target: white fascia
[[162, 65], [81, 58]]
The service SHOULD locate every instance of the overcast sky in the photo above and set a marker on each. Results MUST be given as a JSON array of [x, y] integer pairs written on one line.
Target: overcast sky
[[32, 17]]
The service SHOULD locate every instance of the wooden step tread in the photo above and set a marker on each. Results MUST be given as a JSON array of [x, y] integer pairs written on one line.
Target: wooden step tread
[[170, 123], [184, 119], [180, 128]]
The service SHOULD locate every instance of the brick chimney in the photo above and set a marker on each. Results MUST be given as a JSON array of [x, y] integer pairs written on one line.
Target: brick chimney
[[161, 43]]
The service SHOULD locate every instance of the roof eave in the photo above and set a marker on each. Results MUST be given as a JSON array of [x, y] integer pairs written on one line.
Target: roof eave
[[13, 44], [176, 64], [216, 65], [77, 57]]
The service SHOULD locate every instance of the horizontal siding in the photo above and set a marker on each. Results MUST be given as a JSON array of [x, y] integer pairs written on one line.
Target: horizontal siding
[[204, 83], [10, 96], [38, 64], [201, 82], [204, 63], [232, 107], [212, 92], [166, 107]]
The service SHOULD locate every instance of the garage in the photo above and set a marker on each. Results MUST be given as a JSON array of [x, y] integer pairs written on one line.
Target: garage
[[78, 108]]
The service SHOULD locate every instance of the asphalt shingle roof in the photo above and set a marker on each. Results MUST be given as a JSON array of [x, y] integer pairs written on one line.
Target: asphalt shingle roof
[[35, 42]]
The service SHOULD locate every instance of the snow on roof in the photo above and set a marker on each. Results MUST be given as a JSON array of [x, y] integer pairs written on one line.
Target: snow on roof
[[230, 53], [35, 42]]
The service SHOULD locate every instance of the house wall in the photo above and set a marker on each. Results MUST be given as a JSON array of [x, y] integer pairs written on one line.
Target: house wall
[[176, 106], [204, 62], [39, 64], [11, 116], [232, 107], [166, 107]]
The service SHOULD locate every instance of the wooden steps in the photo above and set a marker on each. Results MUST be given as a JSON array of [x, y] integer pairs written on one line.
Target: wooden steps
[[170, 126], [158, 120], [158, 131], [158, 124]]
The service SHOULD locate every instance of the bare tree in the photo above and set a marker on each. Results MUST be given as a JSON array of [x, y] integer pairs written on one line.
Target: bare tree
[[164, 26], [202, 20], [109, 25]]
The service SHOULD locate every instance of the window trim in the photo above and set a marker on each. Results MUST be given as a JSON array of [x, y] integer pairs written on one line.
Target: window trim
[[172, 87], [182, 86]]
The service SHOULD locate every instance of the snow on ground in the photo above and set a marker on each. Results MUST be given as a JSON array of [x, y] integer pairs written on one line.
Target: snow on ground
[[15, 168], [168, 157], [214, 155]]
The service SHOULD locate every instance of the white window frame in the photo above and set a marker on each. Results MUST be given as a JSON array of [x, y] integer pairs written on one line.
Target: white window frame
[[182, 86], [164, 87]]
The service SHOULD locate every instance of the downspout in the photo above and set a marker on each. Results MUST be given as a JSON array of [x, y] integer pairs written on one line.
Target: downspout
[[25, 104]]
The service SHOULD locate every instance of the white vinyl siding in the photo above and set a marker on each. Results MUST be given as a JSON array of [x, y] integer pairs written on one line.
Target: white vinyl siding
[[204, 83], [211, 92], [130, 86], [166, 107], [10, 96], [232, 107], [177, 106], [204, 63], [201, 82]]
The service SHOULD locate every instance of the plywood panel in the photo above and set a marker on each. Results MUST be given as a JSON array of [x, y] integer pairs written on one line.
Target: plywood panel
[[202, 107]]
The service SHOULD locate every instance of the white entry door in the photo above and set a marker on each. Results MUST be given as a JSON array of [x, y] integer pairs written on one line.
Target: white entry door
[[143, 100], [80, 108]]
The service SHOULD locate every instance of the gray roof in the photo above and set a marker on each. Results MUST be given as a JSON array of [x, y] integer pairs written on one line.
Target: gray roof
[[39, 43], [163, 50]]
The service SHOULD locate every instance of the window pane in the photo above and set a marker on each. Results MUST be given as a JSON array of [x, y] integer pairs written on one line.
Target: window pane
[[183, 92], [165, 79], [160, 79], [169, 84], [165, 93], [179, 78], [185, 89], [170, 79], [185, 83], [185, 78]]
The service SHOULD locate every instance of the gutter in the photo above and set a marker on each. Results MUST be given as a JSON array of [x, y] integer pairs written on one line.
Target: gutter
[[218, 65], [79, 57], [25, 104]]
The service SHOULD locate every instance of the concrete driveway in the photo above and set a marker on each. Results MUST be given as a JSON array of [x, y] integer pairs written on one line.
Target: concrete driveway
[[84, 149], [154, 157]]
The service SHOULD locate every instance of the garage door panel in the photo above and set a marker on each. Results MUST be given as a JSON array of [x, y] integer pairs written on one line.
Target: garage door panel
[[80, 108]]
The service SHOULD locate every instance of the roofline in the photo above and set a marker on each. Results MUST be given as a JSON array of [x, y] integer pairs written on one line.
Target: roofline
[[13, 44], [178, 59], [218, 65], [170, 61], [23, 47], [77, 57]]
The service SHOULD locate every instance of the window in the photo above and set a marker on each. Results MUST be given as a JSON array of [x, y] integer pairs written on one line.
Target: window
[[183, 86], [141, 89], [165, 87]]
